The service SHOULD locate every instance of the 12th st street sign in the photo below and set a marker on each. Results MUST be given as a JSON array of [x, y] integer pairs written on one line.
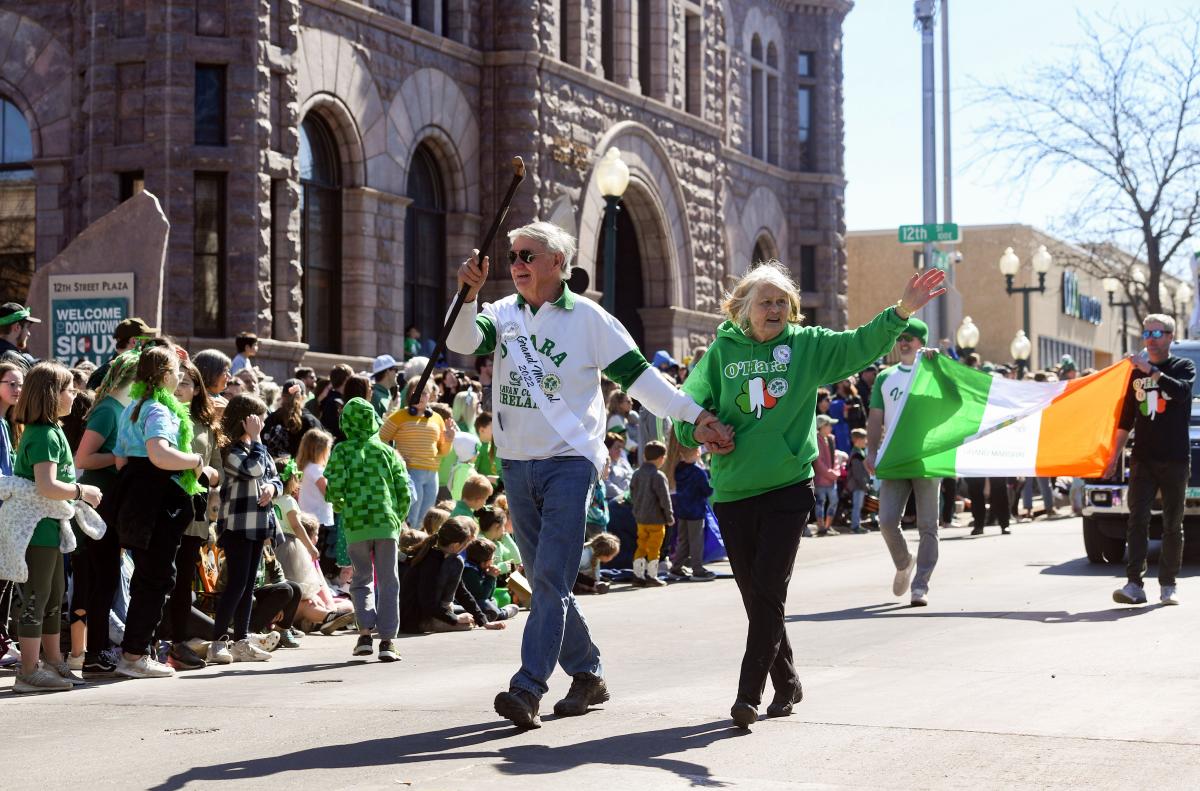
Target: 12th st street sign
[[930, 232]]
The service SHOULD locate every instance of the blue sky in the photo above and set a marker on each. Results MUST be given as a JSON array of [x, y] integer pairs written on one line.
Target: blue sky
[[990, 42]]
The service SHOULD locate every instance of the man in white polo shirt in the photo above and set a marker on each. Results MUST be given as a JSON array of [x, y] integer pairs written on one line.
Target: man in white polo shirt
[[550, 348]]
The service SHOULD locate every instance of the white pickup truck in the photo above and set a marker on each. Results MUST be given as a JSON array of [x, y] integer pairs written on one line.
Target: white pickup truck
[[1105, 506]]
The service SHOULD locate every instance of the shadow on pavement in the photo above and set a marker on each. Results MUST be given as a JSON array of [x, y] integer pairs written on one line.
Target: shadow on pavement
[[897, 610], [648, 749], [1082, 567]]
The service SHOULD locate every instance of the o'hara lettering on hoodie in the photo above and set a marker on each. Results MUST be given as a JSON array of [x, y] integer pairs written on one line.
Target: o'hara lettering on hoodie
[[742, 368]]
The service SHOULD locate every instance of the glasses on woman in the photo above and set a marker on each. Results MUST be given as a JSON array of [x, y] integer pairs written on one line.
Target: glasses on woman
[[1156, 334], [526, 256], [15, 384]]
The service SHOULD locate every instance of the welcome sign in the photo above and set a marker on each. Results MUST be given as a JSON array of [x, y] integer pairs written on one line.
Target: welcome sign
[[84, 312]]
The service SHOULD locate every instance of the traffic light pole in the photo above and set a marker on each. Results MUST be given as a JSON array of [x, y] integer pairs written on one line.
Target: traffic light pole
[[924, 12]]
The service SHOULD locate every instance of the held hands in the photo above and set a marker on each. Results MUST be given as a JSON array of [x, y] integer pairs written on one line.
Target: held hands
[[473, 275], [922, 289], [713, 433]]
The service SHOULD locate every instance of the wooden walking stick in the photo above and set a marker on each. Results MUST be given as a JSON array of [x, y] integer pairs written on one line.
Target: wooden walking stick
[[414, 397]]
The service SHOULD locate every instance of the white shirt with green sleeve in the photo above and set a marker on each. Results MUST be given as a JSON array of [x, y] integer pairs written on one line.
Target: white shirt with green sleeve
[[577, 340]]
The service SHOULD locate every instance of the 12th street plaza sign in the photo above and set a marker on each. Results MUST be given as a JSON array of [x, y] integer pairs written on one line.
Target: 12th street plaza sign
[[930, 232]]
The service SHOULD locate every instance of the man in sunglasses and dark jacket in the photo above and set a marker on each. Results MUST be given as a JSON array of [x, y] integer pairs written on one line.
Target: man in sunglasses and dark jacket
[[1158, 405]]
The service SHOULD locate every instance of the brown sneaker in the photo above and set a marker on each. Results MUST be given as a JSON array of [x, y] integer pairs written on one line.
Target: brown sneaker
[[519, 707], [586, 690]]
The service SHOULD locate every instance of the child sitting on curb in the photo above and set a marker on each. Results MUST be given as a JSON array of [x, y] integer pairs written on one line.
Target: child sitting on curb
[[479, 576], [600, 549]]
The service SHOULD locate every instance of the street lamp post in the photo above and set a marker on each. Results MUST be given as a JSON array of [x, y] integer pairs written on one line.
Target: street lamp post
[[967, 336], [612, 177], [1010, 265], [1020, 349], [1183, 302], [1111, 284]]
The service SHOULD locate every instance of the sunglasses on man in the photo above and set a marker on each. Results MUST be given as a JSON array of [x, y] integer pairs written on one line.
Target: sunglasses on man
[[526, 256], [1156, 334]]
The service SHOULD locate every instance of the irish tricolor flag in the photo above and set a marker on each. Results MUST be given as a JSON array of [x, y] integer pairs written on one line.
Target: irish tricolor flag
[[956, 421]]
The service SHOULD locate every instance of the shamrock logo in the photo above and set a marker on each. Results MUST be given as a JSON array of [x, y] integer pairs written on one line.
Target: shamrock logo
[[1151, 400], [754, 397]]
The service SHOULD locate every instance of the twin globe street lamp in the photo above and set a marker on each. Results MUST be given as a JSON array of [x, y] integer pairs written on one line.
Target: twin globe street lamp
[[1010, 264], [612, 177]]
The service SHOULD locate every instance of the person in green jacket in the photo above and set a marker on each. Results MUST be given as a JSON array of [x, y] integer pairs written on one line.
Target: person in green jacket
[[760, 377], [367, 483]]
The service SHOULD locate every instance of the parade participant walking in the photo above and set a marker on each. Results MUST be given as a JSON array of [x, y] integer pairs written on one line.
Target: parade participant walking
[[889, 390], [761, 377], [1157, 406], [549, 432]]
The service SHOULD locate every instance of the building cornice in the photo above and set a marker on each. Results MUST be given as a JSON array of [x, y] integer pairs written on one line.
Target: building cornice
[[398, 27]]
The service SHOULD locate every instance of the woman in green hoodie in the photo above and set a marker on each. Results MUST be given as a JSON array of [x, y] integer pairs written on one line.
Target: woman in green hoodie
[[760, 377]]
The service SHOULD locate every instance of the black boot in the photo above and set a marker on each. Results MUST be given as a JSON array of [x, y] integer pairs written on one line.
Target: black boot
[[744, 714], [586, 690], [519, 707], [781, 705]]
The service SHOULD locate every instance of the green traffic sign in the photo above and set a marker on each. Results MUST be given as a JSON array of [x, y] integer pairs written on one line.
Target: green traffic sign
[[929, 232]]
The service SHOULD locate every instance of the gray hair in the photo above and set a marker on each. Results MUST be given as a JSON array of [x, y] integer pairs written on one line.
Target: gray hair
[[736, 305], [552, 237], [1163, 319]]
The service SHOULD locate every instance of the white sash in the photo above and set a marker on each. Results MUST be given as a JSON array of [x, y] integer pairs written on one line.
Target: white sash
[[524, 357]]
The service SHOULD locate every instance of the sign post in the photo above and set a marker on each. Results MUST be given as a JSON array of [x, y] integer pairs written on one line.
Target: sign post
[[84, 313]]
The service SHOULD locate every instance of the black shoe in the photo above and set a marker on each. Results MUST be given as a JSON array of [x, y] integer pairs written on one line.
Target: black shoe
[[586, 690], [977, 531], [182, 657], [388, 652], [363, 646], [519, 707], [704, 576], [1004, 530], [99, 665], [744, 715], [782, 706]]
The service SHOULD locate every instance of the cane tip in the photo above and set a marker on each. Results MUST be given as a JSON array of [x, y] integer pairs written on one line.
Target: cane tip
[[518, 167]]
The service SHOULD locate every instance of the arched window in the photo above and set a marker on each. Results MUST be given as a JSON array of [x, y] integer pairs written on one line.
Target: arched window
[[772, 104], [16, 144], [320, 236], [425, 246], [760, 253]]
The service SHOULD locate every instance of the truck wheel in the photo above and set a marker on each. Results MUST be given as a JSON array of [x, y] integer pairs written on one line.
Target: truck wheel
[[1093, 541], [1114, 550]]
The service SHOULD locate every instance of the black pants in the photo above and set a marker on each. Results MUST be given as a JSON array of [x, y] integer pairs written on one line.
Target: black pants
[[154, 572], [1146, 479], [949, 495], [998, 499], [101, 570], [761, 537], [8, 634], [270, 600], [181, 596], [237, 600]]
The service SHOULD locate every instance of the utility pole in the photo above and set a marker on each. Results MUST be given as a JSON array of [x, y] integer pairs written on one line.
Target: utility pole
[[923, 11]]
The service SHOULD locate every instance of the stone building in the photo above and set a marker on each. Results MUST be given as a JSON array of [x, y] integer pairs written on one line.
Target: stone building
[[326, 164]]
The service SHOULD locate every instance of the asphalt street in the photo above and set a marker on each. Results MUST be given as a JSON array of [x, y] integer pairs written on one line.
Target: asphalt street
[[1021, 673]]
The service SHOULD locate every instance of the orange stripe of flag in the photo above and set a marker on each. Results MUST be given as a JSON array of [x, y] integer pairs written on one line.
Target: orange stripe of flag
[[1079, 428]]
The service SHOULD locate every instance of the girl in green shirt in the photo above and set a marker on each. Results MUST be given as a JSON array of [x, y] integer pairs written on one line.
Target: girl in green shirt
[[44, 457]]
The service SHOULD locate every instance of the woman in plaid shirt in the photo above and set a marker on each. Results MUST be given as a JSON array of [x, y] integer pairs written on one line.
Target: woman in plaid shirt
[[247, 521]]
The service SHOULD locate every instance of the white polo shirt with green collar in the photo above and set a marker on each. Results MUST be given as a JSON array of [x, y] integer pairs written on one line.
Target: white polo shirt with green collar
[[577, 340]]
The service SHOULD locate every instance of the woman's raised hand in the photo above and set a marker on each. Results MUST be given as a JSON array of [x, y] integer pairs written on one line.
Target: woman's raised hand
[[922, 289]]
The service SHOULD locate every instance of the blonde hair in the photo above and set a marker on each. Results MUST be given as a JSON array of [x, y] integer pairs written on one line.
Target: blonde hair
[[433, 520], [313, 445], [39, 398], [736, 305], [476, 487]]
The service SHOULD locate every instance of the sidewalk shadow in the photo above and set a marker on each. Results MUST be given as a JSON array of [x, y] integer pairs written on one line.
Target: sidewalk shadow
[[897, 610], [649, 749], [1082, 567]]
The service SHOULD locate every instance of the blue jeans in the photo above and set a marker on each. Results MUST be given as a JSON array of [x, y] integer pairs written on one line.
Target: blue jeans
[[1046, 489], [548, 499], [425, 482], [856, 503], [826, 502], [375, 588]]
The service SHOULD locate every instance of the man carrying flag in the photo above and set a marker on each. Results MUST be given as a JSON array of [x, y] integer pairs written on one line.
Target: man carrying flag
[[1158, 404], [887, 397]]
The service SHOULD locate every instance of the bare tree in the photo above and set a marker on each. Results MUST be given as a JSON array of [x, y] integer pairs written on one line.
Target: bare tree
[[1124, 108]]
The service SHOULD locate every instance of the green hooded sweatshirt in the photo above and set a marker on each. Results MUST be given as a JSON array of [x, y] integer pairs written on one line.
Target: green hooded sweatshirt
[[768, 393], [367, 482]]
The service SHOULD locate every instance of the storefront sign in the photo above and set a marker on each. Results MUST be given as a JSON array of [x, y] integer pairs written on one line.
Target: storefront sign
[[1077, 305], [84, 312]]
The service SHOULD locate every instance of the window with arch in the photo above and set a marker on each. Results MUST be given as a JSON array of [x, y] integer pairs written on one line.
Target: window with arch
[[764, 250], [764, 100], [425, 246], [16, 144], [320, 235]]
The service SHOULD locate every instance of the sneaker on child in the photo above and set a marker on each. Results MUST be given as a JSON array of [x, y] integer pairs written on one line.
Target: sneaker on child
[[182, 657], [245, 651], [363, 646], [218, 653], [75, 661], [42, 679], [63, 669], [1168, 595], [920, 598], [144, 666], [388, 652], [904, 576], [268, 641]]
